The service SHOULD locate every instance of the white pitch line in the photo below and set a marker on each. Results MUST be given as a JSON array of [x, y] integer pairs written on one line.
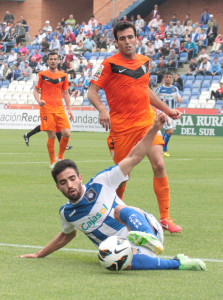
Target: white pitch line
[[16, 153], [92, 251]]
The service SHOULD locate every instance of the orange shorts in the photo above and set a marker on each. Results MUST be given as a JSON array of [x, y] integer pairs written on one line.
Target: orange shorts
[[54, 121], [121, 145]]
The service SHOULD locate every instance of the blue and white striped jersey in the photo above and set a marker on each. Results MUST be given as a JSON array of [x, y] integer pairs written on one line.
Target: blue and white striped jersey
[[168, 94], [93, 214]]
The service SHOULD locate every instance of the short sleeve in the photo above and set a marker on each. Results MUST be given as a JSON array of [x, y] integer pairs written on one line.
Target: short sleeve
[[66, 83], [67, 227], [39, 82], [102, 75]]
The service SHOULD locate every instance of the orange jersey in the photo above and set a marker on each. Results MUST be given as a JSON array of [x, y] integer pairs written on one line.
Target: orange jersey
[[52, 86], [126, 85]]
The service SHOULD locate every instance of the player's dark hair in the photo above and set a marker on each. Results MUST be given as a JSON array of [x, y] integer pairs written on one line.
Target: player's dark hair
[[62, 165], [168, 73], [52, 53], [120, 26]]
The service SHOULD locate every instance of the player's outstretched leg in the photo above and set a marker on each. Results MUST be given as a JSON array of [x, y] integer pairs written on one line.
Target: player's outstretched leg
[[27, 136], [141, 233], [187, 263]]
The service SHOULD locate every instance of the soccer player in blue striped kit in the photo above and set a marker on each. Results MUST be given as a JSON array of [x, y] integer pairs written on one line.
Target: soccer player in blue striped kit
[[96, 210]]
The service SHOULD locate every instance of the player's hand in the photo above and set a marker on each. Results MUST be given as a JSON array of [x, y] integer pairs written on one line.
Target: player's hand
[[175, 114], [34, 255], [104, 119], [160, 120], [71, 116], [41, 102]]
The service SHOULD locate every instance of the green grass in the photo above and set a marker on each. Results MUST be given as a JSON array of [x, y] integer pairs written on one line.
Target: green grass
[[30, 204]]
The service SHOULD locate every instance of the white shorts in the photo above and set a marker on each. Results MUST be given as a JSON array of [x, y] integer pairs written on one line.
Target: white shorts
[[170, 124]]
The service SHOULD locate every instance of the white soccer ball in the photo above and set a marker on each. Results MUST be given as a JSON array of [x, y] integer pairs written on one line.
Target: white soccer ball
[[115, 253]]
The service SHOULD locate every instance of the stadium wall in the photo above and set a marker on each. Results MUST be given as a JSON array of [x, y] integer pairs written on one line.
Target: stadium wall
[[36, 12]]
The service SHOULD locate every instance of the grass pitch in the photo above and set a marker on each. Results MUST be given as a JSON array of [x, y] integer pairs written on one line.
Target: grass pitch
[[29, 217]]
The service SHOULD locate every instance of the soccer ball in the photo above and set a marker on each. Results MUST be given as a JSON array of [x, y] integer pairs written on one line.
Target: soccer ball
[[115, 253]]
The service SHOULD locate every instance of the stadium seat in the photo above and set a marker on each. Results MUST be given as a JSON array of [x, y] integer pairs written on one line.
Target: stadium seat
[[191, 77], [207, 77], [183, 57], [196, 84], [87, 55], [188, 83], [187, 92], [206, 84], [200, 77]]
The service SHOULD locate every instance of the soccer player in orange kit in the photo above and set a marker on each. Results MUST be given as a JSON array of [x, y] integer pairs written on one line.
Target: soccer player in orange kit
[[52, 86], [125, 79]]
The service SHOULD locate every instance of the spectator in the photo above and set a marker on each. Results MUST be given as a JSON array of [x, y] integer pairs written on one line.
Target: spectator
[[23, 50], [20, 33], [62, 51], [169, 29], [81, 65], [205, 67], [149, 50], [187, 19], [81, 35], [139, 23], [9, 39], [15, 48], [212, 20], [41, 66], [217, 43], [92, 23], [67, 27], [24, 23], [89, 44], [115, 21], [71, 22], [54, 44], [151, 35], [211, 33], [174, 19], [47, 27], [70, 66], [179, 29], [172, 59], [218, 94], [70, 56], [70, 38], [12, 58], [72, 87], [189, 27], [160, 69], [178, 82], [195, 36], [101, 45], [154, 12], [33, 64], [167, 39], [160, 34], [176, 42], [73, 78], [79, 90], [6, 72], [140, 48], [44, 45], [26, 72], [190, 48], [132, 19], [198, 28], [216, 67], [59, 36], [37, 56], [82, 77], [87, 83], [96, 36], [182, 47], [166, 49], [155, 23], [158, 44], [202, 39], [204, 17], [8, 17], [203, 55], [15, 73]]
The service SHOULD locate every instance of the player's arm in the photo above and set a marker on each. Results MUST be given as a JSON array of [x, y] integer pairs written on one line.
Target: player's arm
[[67, 101], [140, 150], [155, 101], [58, 242], [37, 97], [179, 99], [95, 100]]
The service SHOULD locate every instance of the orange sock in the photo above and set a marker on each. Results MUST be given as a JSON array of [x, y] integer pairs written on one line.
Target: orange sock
[[51, 149], [162, 191], [62, 148], [120, 190]]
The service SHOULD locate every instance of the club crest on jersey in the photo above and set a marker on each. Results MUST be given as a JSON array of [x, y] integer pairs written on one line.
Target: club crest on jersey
[[91, 195], [99, 71]]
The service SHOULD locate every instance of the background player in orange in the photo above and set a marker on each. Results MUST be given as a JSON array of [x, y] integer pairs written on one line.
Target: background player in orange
[[125, 79], [52, 86]]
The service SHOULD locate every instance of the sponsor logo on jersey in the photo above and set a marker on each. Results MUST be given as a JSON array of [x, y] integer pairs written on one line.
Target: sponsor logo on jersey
[[99, 71], [92, 220]]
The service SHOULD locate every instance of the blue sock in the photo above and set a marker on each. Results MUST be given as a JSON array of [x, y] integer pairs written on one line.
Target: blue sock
[[166, 141], [145, 262], [135, 220]]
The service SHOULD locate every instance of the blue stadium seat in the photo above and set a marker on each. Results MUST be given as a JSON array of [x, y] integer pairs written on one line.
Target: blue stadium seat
[[197, 83], [206, 84], [205, 89], [183, 105], [183, 77], [191, 77], [207, 77], [217, 77], [186, 92], [87, 55], [188, 83], [200, 77], [195, 95], [183, 57], [86, 102]]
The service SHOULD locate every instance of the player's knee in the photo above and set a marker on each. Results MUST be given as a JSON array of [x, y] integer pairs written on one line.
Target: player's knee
[[170, 131], [117, 212], [159, 167], [65, 134]]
